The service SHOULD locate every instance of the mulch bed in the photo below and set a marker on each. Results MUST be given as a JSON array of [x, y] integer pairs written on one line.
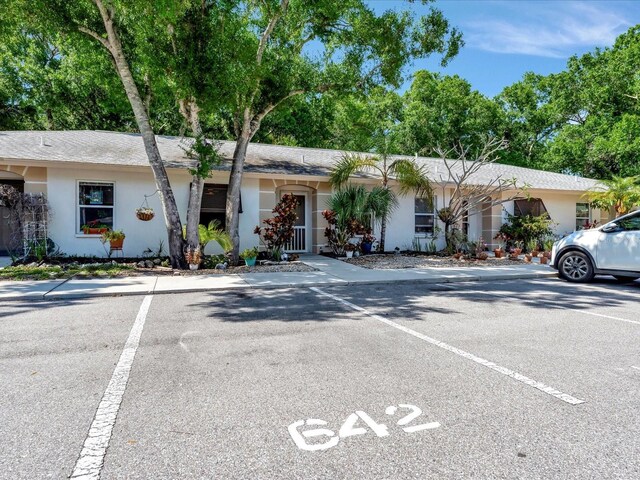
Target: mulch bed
[[398, 261]]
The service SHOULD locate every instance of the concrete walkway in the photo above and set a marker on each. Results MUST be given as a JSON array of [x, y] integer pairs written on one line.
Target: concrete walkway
[[329, 272]]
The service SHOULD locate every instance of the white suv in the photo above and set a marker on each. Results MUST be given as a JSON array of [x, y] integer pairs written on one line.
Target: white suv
[[613, 249]]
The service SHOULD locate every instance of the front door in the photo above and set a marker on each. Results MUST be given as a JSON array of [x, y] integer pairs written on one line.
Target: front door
[[300, 241], [6, 234]]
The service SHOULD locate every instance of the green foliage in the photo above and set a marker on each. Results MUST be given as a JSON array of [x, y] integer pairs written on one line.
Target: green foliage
[[249, 253], [25, 272], [354, 206], [442, 112], [210, 261], [527, 229], [211, 233], [623, 194]]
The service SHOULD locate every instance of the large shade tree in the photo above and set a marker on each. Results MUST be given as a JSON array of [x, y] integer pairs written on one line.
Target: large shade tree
[[292, 48], [237, 60]]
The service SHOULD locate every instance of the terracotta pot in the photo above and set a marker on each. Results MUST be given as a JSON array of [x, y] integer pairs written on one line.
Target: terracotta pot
[[517, 251], [116, 244], [535, 253], [544, 260], [528, 257], [513, 256], [498, 252], [95, 231], [546, 255]]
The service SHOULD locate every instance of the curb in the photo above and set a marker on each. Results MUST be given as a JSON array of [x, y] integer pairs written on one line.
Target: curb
[[423, 281]]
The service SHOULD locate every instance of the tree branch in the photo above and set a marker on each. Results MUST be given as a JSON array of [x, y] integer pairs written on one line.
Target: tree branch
[[267, 32], [105, 43], [269, 108]]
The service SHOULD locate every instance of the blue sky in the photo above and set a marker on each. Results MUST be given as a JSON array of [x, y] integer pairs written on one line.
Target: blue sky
[[506, 38]]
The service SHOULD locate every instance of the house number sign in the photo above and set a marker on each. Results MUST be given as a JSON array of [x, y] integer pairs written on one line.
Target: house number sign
[[303, 430]]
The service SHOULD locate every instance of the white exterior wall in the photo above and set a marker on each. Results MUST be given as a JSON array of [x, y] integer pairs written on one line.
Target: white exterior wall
[[401, 226], [130, 188], [561, 208]]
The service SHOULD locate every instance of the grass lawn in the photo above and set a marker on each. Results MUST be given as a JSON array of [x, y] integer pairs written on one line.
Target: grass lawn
[[25, 272]]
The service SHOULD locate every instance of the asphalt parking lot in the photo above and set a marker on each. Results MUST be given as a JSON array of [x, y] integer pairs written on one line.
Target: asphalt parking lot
[[513, 379]]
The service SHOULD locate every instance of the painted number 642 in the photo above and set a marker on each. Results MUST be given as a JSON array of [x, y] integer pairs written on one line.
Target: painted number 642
[[349, 428]]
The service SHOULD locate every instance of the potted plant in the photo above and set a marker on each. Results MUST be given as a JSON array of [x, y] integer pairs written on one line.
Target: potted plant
[[532, 246], [367, 242], [94, 228], [349, 248], [548, 246], [193, 257], [115, 239], [249, 255], [145, 213]]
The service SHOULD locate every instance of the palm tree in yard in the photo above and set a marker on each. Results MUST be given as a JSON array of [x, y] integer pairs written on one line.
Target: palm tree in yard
[[621, 193], [409, 176]]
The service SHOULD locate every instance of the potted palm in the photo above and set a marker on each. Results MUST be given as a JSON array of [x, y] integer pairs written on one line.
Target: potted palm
[[249, 255]]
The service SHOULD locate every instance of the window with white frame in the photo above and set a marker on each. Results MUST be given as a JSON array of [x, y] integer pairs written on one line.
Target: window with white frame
[[95, 205], [583, 215], [425, 216]]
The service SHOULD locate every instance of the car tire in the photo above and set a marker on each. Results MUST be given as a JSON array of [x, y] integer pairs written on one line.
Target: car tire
[[576, 267], [625, 278]]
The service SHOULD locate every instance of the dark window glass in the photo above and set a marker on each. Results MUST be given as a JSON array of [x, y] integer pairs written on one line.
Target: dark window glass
[[532, 206]]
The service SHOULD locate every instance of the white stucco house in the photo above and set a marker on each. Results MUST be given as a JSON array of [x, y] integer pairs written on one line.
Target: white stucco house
[[98, 175]]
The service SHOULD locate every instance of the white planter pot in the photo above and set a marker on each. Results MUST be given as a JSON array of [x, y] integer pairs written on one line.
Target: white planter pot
[[193, 266], [349, 254]]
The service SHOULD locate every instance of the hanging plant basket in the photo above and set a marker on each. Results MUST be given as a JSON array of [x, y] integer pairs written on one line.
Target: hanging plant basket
[[145, 214]]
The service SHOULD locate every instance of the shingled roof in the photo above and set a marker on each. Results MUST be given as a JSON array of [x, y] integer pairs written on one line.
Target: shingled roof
[[127, 149]]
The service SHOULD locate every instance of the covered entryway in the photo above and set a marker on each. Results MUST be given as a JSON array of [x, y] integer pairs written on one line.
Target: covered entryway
[[7, 236], [302, 229]]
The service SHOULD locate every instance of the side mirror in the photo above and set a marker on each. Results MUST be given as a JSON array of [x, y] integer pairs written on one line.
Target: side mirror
[[611, 227]]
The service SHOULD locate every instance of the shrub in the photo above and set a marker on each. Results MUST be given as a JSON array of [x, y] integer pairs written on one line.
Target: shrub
[[279, 229], [527, 228]]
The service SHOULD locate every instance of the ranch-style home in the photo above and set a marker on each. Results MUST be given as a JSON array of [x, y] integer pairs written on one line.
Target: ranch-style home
[[98, 176]]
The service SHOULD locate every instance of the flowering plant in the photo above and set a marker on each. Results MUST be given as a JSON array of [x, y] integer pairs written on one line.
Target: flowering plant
[[368, 237], [279, 229]]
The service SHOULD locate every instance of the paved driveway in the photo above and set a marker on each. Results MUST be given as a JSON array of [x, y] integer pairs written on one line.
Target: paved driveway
[[526, 379]]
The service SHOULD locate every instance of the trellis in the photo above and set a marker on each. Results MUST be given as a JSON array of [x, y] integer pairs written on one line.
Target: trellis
[[28, 220]]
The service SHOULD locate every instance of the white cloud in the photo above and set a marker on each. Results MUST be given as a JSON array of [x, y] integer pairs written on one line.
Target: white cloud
[[548, 29]]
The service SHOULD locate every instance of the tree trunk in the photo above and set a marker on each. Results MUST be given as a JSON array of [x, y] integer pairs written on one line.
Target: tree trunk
[[169, 207], [190, 111], [233, 192], [383, 232], [450, 247]]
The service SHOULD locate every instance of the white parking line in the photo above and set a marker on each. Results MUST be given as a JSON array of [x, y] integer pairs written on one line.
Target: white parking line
[[469, 356], [91, 458], [604, 316], [564, 308]]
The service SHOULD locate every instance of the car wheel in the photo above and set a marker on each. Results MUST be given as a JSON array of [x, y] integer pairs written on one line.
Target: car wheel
[[576, 267], [625, 278]]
